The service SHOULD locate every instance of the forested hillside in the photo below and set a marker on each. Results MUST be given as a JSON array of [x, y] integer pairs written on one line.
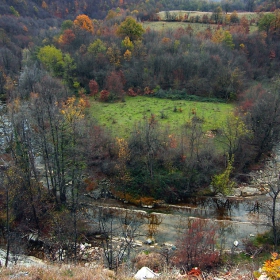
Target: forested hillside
[[68, 9], [107, 59]]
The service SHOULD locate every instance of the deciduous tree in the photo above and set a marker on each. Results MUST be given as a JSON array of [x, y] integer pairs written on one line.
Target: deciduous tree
[[97, 47], [93, 87], [84, 22], [266, 22], [52, 59], [131, 28]]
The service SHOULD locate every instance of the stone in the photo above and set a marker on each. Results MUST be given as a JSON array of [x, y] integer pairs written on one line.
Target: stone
[[263, 277], [149, 241], [145, 273], [137, 244]]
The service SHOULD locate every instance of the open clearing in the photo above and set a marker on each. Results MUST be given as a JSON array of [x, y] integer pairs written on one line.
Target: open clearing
[[197, 26], [173, 25], [121, 117], [189, 14]]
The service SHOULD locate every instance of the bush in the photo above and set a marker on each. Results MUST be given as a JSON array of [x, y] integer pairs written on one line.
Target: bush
[[174, 94], [154, 261], [196, 245]]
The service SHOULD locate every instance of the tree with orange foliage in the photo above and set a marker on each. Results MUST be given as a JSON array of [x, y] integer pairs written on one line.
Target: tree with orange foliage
[[44, 5], [84, 22], [127, 55]]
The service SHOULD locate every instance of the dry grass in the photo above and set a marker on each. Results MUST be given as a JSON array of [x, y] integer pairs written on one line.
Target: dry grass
[[97, 272], [60, 272], [65, 272]]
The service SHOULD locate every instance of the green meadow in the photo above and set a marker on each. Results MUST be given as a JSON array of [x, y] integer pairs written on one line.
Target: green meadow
[[120, 118], [197, 27], [173, 25], [189, 14]]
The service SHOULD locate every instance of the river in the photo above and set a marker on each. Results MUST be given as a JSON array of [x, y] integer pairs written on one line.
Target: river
[[236, 218]]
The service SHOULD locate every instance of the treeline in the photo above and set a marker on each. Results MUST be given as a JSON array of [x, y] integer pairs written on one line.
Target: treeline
[[146, 10]]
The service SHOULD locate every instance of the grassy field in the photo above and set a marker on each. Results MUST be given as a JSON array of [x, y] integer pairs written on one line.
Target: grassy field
[[121, 117], [181, 14], [173, 25], [197, 27], [160, 25]]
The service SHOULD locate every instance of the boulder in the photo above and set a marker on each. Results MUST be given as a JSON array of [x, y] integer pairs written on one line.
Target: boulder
[[263, 277], [145, 273]]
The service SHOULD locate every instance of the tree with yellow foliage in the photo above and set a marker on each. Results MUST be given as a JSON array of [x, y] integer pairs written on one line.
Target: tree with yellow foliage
[[127, 43], [131, 28], [272, 267], [73, 109], [123, 157], [232, 130], [222, 36], [127, 55]]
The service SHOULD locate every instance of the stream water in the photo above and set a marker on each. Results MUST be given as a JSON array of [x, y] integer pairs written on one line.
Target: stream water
[[236, 218]]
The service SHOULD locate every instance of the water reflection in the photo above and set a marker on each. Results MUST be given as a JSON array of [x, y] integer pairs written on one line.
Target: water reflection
[[220, 208], [236, 219]]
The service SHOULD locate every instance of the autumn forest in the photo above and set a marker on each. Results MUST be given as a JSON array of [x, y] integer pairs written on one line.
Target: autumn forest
[[61, 61]]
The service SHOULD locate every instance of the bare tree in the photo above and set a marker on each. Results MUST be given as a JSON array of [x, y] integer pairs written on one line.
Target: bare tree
[[119, 230], [271, 178]]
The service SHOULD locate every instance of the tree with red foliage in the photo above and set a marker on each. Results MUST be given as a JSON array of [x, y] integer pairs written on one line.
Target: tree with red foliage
[[104, 95], [196, 245], [93, 87], [67, 37], [115, 84], [131, 92]]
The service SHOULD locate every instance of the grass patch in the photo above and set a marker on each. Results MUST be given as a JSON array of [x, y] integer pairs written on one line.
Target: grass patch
[[173, 25], [121, 117], [196, 26], [193, 14]]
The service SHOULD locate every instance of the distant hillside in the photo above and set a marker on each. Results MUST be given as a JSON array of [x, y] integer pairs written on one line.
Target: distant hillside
[[68, 9]]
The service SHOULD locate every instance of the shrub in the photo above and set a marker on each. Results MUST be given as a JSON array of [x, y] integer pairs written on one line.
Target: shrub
[[104, 95], [154, 261], [182, 95], [196, 245]]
